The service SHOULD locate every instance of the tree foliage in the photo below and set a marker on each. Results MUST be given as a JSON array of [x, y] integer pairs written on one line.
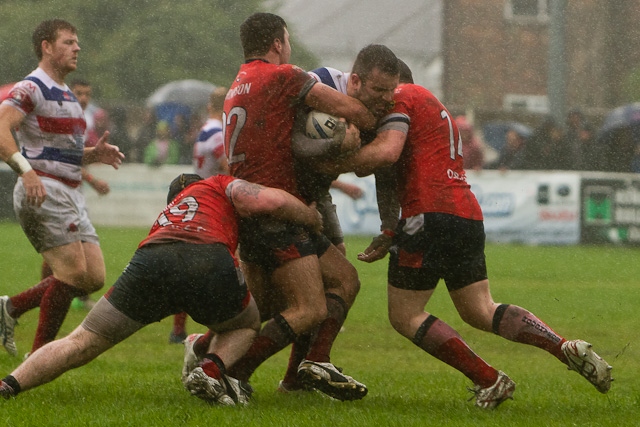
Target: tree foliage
[[130, 47]]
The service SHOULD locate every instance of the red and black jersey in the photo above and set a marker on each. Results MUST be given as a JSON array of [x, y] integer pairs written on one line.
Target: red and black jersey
[[430, 168], [202, 213], [259, 112]]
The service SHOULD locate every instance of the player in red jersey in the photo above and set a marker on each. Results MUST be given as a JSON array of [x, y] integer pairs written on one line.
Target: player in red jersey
[[441, 236], [281, 259], [186, 263]]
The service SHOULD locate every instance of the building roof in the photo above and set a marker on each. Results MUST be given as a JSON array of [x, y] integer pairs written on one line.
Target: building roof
[[335, 30]]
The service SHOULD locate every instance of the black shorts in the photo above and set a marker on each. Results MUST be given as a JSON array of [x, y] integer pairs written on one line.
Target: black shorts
[[168, 278], [435, 246], [270, 244]]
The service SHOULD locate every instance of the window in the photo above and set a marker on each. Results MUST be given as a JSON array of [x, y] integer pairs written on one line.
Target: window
[[527, 10]]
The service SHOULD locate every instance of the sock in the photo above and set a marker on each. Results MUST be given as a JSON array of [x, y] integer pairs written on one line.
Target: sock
[[517, 324], [299, 350], [54, 306], [328, 330], [30, 298], [444, 343], [45, 270], [13, 383], [180, 324], [213, 366], [274, 336], [201, 346]]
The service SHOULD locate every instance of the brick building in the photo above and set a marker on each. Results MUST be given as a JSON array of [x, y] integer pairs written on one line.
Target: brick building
[[495, 54]]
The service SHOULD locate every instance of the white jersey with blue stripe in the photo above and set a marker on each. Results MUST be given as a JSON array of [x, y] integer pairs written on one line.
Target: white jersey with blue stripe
[[331, 77], [51, 135], [208, 149]]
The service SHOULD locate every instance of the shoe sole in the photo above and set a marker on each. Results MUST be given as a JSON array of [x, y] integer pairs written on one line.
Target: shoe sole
[[199, 386], [338, 390]]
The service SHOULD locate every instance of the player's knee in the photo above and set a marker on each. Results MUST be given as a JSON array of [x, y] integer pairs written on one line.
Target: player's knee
[[399, 324], [315, 315], [349, 286], [87, 281], [397, 320], [475, 318]]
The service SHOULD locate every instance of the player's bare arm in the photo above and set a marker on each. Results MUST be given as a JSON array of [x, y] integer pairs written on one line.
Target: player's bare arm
[[327, 99], [10, 118], [252, 199], [389, 209], [103, 152], [384, 151]]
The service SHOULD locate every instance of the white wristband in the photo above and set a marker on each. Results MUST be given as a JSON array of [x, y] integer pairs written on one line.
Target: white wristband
[[18, 163]]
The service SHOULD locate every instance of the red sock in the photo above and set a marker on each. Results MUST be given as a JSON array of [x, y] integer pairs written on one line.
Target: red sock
[[53, 310], [274, 336], [211, 368], [179, 323], [299, 350], [201, 346], [328, 330], [517, 324], [444, 343], [30, 298]]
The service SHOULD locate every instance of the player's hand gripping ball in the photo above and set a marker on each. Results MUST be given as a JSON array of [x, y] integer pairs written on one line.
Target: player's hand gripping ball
[[321, 125]]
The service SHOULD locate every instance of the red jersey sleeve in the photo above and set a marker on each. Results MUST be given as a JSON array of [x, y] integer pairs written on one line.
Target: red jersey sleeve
[[430, 168]]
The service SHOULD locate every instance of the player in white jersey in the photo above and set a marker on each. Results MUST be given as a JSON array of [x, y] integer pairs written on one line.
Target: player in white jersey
[[208, 151], [47, 199], [372, 81]]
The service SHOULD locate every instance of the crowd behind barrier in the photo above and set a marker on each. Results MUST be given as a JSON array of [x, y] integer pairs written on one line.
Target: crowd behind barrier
[[529, 207]]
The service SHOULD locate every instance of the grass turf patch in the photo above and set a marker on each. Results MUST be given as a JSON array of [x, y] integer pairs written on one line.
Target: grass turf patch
[[581, 292]]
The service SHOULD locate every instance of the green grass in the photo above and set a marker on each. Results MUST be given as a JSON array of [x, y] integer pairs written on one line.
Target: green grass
[[582, 292]]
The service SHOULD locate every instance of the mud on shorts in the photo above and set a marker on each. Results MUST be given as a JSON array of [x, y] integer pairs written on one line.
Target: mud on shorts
[[169, 278], [60, 220], [433, 246], [270, 244]]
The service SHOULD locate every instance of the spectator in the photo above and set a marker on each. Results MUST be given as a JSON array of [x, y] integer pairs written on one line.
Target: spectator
[[145, 135], [83, 92], [512, 154], [163, 150], [119, 134], [619, 150], [180, 134], [547, 148], [472, 152], [581, 142], [101, 124]]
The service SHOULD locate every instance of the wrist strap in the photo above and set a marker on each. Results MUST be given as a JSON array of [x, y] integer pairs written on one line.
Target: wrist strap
[[388, 232], [19, 164]]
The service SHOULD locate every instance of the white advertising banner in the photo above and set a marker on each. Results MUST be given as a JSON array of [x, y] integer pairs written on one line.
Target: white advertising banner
[[359, 216], [519, 206], [529, 206], [138, 194]]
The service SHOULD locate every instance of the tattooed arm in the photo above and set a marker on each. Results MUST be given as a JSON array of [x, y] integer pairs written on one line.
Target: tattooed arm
[[253, 199]]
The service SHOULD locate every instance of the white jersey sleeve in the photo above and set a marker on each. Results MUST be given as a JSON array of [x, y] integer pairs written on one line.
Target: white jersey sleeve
[[331, 77], [208, 150]]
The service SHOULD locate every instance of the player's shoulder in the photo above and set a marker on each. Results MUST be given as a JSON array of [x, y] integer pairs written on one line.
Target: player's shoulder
[[211, 125], [291, 69], [332, 77], [40, 85]]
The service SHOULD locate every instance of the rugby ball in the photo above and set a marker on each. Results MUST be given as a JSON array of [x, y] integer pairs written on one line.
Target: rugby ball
[[320, 125]]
